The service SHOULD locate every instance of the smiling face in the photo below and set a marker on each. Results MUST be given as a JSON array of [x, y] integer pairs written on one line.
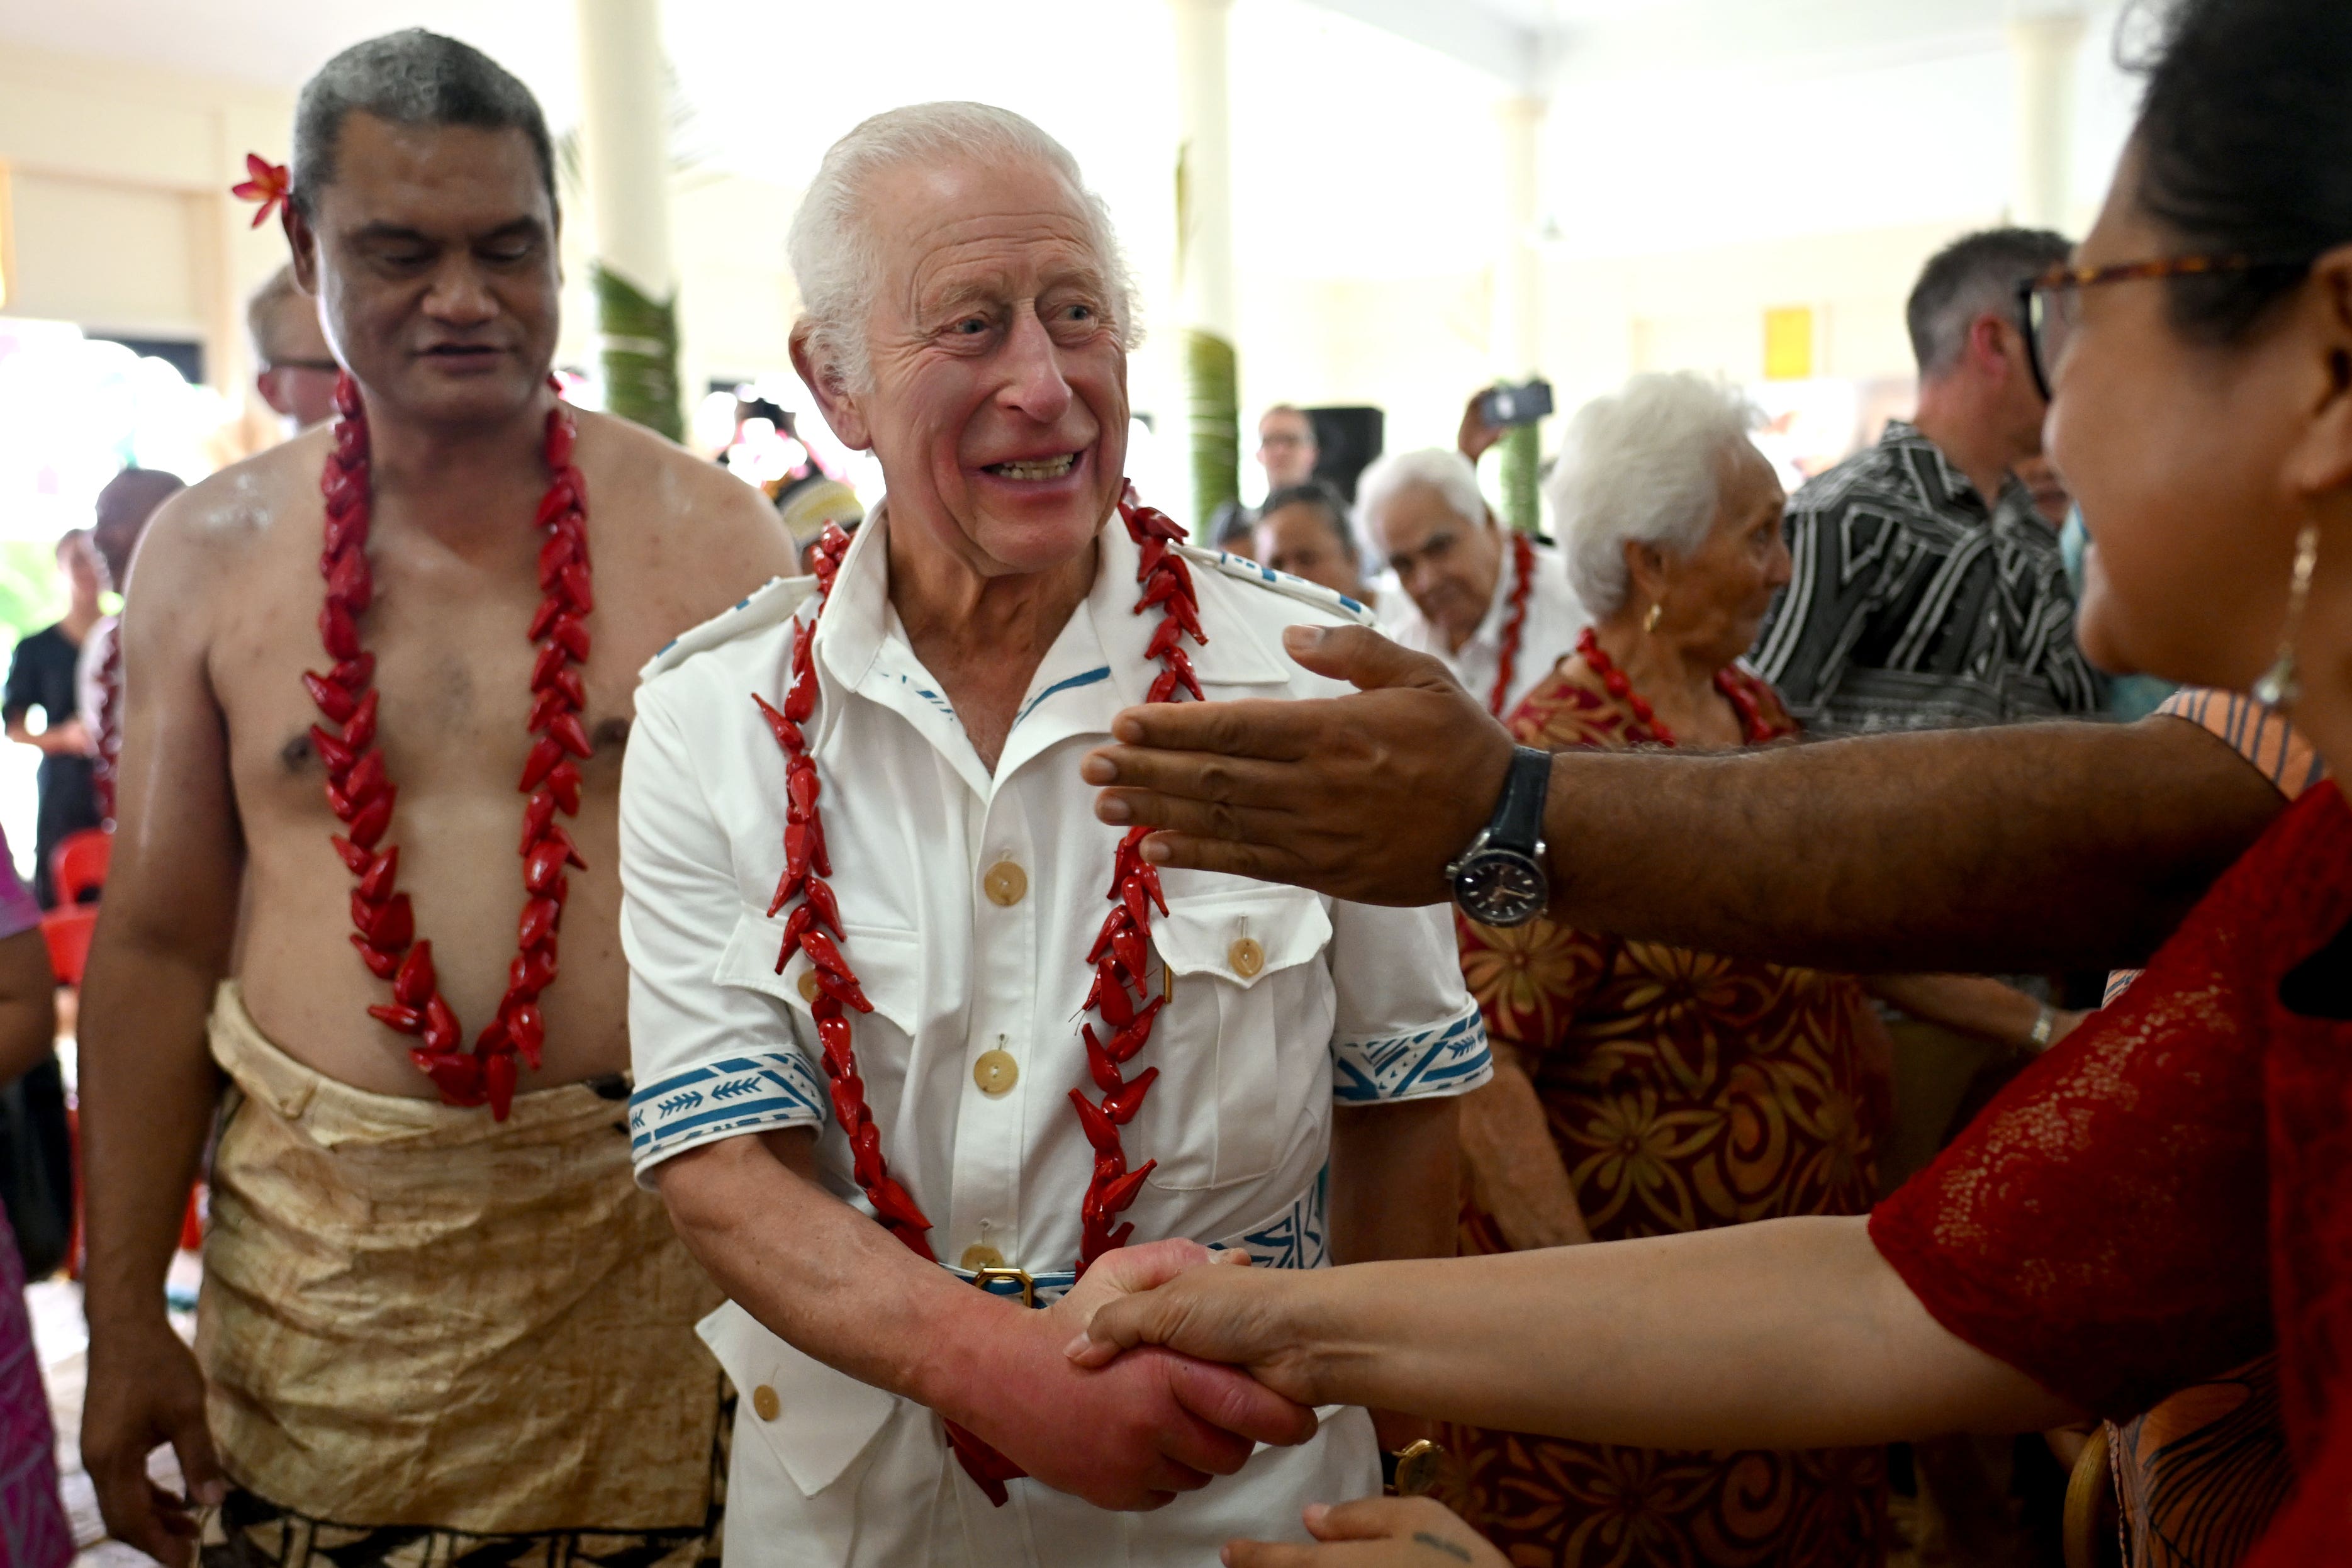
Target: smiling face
[[433, 253], [2195, 462], [997, 399], [1447, 564]]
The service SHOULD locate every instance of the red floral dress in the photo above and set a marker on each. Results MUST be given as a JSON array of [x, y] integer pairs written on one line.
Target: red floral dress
[[1684, 1091], [2100, 1226]]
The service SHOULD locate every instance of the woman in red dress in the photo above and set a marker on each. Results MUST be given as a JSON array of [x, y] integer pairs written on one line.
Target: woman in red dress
[[2167, 1194]]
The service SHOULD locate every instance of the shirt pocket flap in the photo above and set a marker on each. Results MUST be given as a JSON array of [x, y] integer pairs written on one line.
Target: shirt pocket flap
[[815, 1420], [1241, 937], [887, 963]]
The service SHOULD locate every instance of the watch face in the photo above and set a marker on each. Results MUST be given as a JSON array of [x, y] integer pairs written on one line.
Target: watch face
[[1502, 888]]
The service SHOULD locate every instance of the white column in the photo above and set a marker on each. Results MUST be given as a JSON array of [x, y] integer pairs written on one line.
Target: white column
[[2042, 50], [1515, 334], [1204, 251], [1206, 195], [625, 140]]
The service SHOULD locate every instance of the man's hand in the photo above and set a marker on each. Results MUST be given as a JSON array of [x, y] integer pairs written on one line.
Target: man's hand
[[1133, 1435], [1367, 798], [1375, 1532], [145, 1391]]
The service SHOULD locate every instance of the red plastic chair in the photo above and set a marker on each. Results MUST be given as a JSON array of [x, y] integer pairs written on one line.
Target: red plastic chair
[[67, 931], [80, 864]]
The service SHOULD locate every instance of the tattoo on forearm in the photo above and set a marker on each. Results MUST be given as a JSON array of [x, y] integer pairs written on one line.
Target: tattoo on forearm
[[1447, 1548]]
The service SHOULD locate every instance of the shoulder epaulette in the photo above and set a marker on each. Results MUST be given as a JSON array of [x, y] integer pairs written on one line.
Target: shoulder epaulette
[[1298, 588], [770, 605]]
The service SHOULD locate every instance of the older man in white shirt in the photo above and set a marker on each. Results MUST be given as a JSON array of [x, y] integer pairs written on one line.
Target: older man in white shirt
[[1490, 602], [874, 963]]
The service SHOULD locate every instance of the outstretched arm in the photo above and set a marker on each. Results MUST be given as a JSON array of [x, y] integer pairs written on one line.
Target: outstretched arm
[[2038, 847], [837, 1286], [1789, 1333]]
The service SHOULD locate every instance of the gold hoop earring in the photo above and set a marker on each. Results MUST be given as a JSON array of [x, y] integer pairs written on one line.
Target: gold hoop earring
[[2281, 684], [1650, 621]]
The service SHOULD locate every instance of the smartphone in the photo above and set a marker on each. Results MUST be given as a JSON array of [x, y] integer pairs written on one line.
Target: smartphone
[[1505, 405]]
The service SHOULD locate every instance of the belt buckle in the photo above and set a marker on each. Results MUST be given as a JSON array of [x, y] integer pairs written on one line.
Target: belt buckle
[[984, 1277]]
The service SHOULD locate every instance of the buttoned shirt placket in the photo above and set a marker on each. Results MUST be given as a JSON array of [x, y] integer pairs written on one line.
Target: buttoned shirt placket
[[1008, 876]]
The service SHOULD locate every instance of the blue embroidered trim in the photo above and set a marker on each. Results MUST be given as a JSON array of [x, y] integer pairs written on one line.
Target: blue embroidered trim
[[1089, 679], [1295, 1238], [735, 1095], [1451, 1058], [1291, 1239]]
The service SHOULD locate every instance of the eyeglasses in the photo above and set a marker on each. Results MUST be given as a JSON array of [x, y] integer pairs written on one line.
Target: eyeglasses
[[2050, 307], [327, 365]]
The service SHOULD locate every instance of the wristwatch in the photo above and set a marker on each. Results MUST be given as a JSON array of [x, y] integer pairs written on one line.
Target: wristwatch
[[1500, 881], [1413, 1471]]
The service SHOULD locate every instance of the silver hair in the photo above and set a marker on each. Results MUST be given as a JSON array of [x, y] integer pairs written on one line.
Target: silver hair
[[1643, 463], [1974, 277], [410, 77], [832, 245], [261, 312], [1432, 467]]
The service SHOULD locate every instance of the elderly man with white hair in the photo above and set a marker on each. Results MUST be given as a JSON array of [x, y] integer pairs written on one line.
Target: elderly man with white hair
[[1493, 603], [917, 1041]]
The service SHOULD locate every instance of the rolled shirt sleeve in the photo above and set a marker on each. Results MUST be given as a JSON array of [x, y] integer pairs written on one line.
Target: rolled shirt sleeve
[[712, 1059], [1405, 1027]]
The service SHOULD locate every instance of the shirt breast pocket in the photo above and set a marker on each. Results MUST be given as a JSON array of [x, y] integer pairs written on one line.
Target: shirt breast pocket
[[887, 963], [1244, 970]]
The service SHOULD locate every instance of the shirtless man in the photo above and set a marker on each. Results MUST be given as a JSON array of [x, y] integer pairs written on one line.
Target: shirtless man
[[420, 1322]]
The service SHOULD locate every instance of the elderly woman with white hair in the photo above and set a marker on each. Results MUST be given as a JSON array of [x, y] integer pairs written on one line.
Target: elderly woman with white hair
[[1493, 603], [1643, 1090]]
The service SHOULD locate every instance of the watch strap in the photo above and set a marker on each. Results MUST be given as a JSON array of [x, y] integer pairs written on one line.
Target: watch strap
[[1519, 814]]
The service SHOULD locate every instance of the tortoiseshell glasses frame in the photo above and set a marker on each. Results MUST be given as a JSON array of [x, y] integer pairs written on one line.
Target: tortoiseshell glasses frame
[[2048, 305]]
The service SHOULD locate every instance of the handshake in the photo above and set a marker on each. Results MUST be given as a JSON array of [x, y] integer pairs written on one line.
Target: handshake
[[1143, 1381], [1175, 1363]]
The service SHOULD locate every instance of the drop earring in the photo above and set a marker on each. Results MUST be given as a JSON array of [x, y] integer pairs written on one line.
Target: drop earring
[[1650, 621], [2280, 685]]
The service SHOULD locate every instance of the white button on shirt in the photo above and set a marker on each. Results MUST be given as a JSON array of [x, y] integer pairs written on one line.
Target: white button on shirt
[[1556, 617], [1341, 1002]]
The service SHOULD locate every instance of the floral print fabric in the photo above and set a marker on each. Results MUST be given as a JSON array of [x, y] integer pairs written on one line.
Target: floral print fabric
[[1684, 1091]]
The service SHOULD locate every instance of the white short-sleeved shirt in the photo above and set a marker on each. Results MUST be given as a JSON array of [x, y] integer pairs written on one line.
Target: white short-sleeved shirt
[[1352, 1004], [1556, 617]]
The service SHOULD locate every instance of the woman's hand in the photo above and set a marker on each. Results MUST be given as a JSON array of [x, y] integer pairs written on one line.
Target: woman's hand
[[1376, 1532], [1238, 1316]]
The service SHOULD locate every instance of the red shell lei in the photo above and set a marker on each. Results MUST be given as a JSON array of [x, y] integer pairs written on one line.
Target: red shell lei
[[361, 792], [1752, 723], [266, 182], [1515, 621], [109, 760], [1119, 955]]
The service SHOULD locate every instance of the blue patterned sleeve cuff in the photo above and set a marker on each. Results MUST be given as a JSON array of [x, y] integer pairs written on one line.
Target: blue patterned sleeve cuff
[[1450, 1057], [722, 1099]]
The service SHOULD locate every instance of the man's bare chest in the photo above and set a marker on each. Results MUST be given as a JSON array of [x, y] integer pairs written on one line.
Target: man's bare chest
[[453, 668]]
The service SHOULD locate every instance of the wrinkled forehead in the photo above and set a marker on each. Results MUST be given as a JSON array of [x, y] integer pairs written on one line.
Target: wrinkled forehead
[[962, 231], [1413, 512], [456, 181]]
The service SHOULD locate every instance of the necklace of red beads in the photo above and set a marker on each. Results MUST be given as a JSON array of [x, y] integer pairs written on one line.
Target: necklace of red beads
[[1515, 620], [1752, 721], [1119, 955], [360, 793]]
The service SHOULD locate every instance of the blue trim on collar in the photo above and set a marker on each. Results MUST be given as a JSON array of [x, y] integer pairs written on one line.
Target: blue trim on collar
[[1089, 679]]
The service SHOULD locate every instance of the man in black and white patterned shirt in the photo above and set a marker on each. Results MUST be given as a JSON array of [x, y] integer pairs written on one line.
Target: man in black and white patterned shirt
[[1928, 593]]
